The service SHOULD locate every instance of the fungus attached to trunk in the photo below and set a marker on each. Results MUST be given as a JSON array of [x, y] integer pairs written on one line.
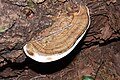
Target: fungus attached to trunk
[[59, 39]]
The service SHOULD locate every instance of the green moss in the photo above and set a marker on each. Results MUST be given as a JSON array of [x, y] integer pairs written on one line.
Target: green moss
[[30, 4], [87, 78]]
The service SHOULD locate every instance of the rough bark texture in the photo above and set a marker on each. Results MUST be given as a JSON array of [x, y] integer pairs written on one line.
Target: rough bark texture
[[96, 55]]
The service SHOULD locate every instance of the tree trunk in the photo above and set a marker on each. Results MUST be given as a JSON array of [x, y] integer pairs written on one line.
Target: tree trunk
[[20, 20]]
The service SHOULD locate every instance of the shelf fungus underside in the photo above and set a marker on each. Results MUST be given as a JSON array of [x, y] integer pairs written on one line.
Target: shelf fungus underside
[[59, 39]]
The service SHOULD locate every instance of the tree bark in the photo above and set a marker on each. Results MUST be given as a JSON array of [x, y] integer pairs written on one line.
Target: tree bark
[[19, 27]]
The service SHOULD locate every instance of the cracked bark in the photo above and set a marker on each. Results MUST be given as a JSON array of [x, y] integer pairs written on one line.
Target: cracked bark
[[104, 29]]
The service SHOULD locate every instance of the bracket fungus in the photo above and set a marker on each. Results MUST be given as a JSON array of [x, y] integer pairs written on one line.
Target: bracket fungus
[[60, 39]]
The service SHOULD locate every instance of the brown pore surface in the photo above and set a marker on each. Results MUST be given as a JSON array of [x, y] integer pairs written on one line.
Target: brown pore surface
[[62, 35]]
